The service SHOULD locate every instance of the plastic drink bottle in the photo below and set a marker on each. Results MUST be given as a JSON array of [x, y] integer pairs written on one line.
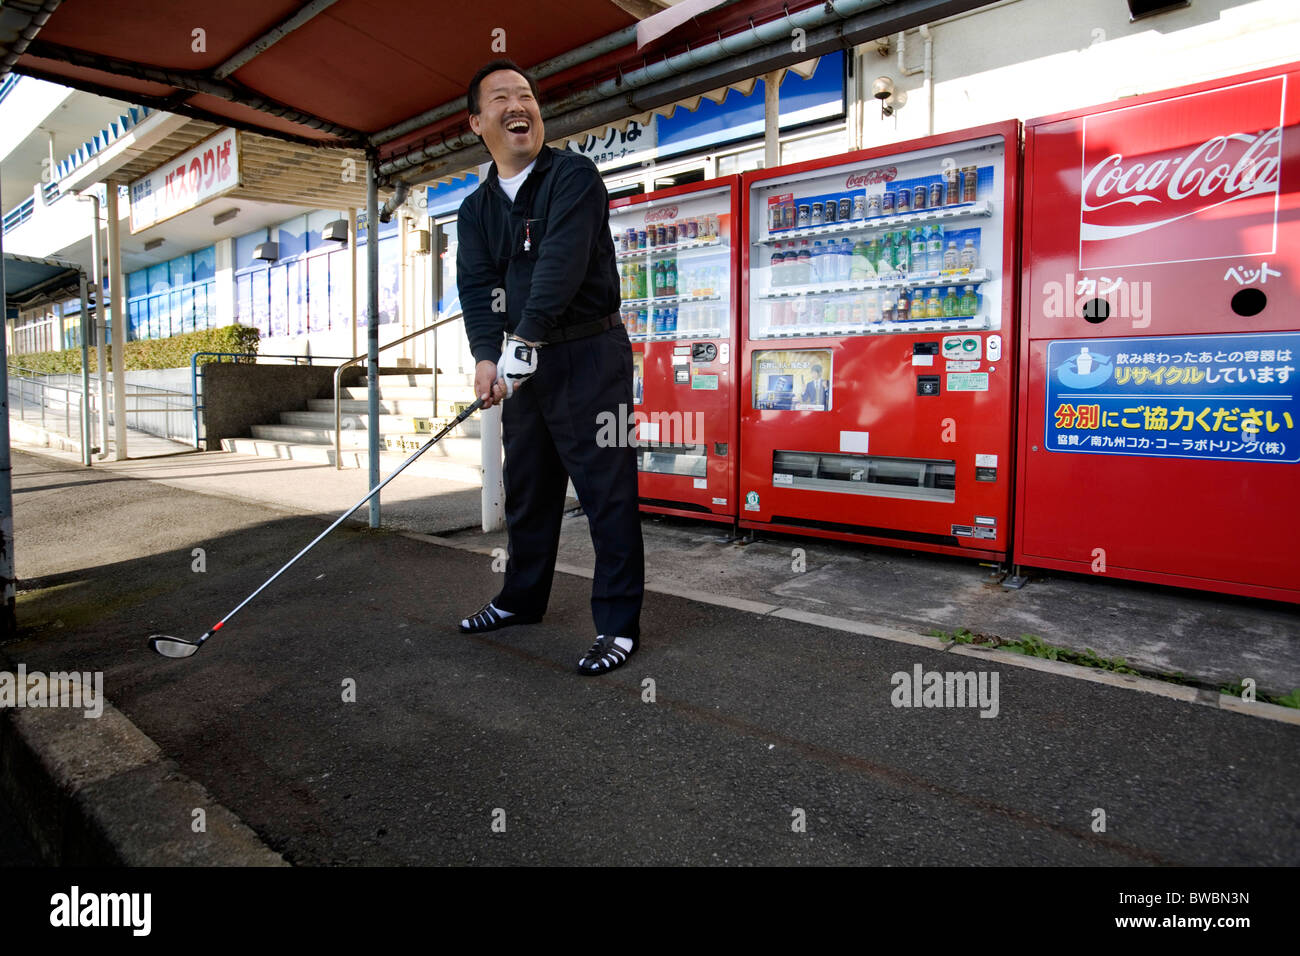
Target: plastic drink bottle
[[950, 304], [969, 258], [934, 249], [951, 258], [969, 301], [918, 250]]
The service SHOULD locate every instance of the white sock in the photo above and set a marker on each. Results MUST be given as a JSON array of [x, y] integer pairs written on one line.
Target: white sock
[[502, 613], [624, 642]]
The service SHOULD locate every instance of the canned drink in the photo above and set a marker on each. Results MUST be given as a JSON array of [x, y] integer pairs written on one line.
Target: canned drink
[[832, 209], [888, 202], [816, 219], [692, 229], [952, 186], [787, 215], [774, 217], [903, 204], [873, 206], [860, 206], [936, 195], [920, 195], [846, 209], [640, 239], [805, 215], [970, 179], [672, 233]]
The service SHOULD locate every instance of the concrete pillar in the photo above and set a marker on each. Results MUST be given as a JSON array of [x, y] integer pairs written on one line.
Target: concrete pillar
[[772, 119], [119, 325], [224, 288]]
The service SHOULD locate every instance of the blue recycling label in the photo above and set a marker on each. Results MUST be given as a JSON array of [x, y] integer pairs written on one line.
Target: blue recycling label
[[1208, 397]]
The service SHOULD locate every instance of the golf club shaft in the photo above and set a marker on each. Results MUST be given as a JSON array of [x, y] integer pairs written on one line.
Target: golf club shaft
[[478, 403]]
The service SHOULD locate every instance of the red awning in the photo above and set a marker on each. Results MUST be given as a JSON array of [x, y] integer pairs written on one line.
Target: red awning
[[346, 72]]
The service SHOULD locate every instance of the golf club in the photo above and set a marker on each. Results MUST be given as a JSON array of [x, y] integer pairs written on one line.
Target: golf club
[[169, 646]]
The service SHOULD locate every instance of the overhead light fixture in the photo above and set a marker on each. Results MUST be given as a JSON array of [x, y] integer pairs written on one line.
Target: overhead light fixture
[[336, 231], [153, 244], [267, 251], [890, 99], [226, 216]]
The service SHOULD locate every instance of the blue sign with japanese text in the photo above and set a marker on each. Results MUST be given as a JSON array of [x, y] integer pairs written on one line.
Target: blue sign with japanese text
[[1208, 397]]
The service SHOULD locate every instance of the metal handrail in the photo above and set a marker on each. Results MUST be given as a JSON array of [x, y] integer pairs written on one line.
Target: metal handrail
[[356, 360], [23, 381]]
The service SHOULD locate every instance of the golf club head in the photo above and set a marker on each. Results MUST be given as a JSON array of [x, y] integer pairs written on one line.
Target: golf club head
[[172, 646]]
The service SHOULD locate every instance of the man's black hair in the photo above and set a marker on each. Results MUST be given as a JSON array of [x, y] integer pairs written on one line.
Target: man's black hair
[[472, 99]]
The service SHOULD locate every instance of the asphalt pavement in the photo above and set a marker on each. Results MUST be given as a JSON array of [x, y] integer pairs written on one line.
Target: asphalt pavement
[[343, 719]]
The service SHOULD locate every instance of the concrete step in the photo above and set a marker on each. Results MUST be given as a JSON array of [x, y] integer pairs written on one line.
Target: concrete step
[[446, 393], [415, 408], [423, 379], [451, 446], [387, 423], [466, 471], [322, 416]]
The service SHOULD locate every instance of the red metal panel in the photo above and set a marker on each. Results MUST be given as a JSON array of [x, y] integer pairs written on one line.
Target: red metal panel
[[1168, 208], [875, 380], [686, 412]]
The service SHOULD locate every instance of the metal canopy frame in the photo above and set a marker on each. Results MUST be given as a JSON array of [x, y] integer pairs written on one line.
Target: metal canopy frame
[[600, 80]]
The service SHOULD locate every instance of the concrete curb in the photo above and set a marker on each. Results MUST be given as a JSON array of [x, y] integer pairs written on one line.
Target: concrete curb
[[98, 792]]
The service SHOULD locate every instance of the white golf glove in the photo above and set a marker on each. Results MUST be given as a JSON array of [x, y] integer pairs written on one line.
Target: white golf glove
[[518, 363]]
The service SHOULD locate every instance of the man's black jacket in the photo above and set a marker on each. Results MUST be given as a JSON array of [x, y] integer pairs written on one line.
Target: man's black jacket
[[568, 275]]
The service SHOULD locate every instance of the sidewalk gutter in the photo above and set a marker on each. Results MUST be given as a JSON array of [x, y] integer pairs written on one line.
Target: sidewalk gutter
[[98, 792]]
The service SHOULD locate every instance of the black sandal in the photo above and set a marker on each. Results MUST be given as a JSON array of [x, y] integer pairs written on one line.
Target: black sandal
[[488, 618], [605, 655]]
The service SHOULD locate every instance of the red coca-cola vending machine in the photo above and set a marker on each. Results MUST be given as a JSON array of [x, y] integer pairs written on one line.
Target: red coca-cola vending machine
[[878, 351], [676, 252], [1158, 417]]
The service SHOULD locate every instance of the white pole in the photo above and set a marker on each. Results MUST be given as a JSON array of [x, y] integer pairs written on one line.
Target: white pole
[[494, 489], [119, 326]]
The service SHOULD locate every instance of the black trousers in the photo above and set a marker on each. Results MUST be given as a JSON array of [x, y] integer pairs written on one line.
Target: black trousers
[[550, 429]]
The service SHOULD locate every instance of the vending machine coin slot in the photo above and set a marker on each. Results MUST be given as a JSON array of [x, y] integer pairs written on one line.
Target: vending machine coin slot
[[927, 385], [704, 352]]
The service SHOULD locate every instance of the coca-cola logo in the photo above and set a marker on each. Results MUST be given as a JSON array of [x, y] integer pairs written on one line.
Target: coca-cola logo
[[1182, 179], [663, 212], [1122, 197], [882, 174]]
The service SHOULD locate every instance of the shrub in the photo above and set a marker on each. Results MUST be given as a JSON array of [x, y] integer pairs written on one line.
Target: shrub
[[171, 352]]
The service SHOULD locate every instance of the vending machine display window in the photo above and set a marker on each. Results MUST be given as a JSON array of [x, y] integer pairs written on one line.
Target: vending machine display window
[[675, 270], [913, 243]]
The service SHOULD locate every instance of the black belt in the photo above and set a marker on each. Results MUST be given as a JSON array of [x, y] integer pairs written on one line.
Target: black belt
[[583, 330]]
